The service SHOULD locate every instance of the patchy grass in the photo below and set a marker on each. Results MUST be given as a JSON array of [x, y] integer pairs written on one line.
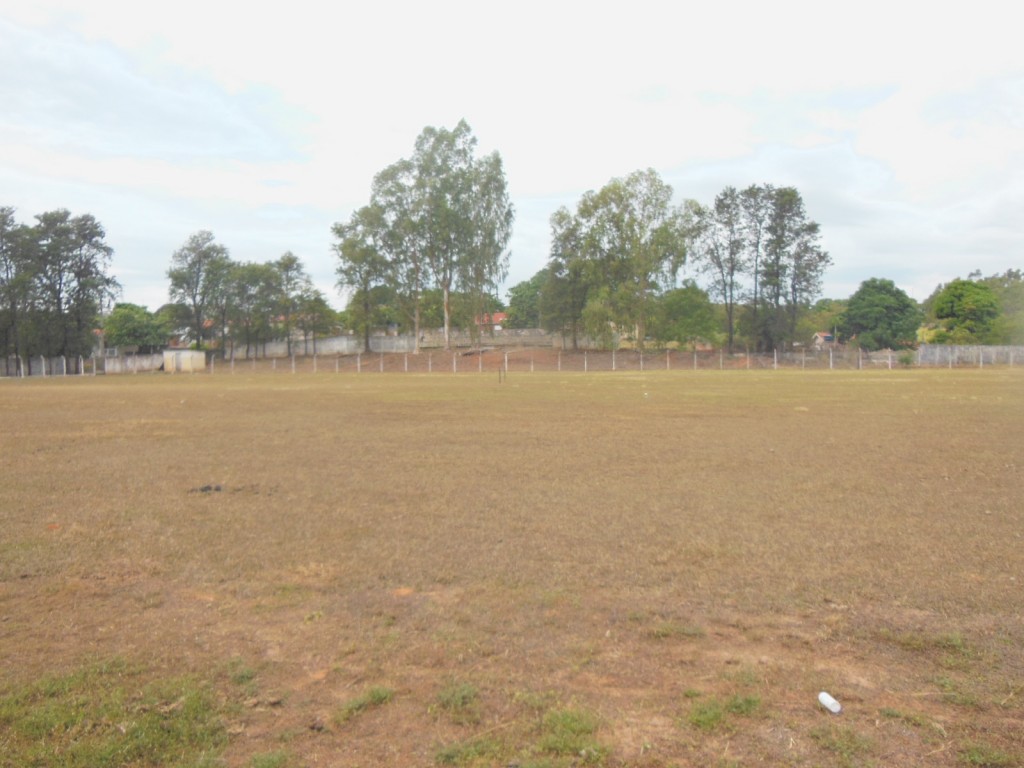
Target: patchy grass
[[270, 760], [461, 701], [110, 714], [476, 751], [672, 629], [707, 715], [571, 732], [985, 756], [377, 696], [848, 747]]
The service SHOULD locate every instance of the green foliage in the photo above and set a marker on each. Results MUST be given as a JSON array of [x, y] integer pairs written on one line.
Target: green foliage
[[1008, 288], [199, 281], [966, 312], [524, 302], [314, 316], [598, 319], [441, 218], [718, 245], [880, 316], [108, 715], [762, 257], [685, 315], [132, 325], [622, 247], [53, 283]]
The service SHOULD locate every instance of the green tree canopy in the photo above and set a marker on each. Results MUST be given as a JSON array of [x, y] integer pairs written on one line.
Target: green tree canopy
[[880, 316], [199, 275], [253, 293], [966, 312], [440, 219], [133, 325], [53, 283], [686, 316], [524, 302], [1008, 288], [627, 242], [363, 266]]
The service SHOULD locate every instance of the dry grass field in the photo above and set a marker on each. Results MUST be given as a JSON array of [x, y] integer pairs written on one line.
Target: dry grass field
[[611, 569]]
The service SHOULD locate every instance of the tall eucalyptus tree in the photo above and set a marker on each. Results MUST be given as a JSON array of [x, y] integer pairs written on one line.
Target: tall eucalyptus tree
[[631, 240]]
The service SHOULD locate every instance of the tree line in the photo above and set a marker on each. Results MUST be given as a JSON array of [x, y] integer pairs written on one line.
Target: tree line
[[429, 250], [616, 260], [986, 310], [441, 219], [242, 305]]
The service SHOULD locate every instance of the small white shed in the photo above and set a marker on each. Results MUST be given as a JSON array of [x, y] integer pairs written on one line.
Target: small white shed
[[184, 361]]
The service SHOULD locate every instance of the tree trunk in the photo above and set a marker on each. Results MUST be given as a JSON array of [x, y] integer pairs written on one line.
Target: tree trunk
[[447, 318]]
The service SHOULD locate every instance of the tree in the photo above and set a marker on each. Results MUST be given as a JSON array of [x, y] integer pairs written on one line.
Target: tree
[[718, 245], [68, 259], [785, 260], [314, 316], [567, 287], [129, 325], [632, 241], [966, 312], [755, 202], [16, 284], [524, 301], [1008, 288], [253, 293], [401, 239], [822, 316], [880, 316], [199, 280], [441, 219], [485, 265], [686, 316], [465, 217], [293, 280], [361, 265]]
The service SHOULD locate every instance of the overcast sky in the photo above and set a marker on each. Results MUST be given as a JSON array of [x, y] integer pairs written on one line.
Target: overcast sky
[[900, 123]]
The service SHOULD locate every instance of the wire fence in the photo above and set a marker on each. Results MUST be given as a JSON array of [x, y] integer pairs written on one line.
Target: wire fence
[[536, 359]]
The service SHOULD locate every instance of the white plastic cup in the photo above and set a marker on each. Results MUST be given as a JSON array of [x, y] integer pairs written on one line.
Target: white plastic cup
[[829, 703]]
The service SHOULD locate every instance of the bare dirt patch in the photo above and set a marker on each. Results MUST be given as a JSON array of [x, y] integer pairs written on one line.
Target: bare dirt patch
[[638, 568]]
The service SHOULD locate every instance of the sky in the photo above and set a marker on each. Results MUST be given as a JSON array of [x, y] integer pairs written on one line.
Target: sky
[[901, 124]]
